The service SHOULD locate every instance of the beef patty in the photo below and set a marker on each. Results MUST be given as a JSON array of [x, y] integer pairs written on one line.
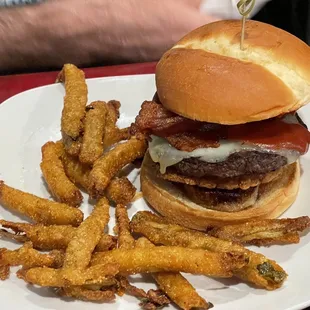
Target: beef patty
[[237, 164], [221, 199]]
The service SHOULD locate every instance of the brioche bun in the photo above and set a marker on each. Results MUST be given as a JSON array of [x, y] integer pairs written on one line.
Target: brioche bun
[[207, 77], [274, 198]]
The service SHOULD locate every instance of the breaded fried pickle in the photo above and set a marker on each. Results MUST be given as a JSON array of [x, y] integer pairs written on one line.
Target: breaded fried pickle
[[264, 232], [49, 237], [39, 209], [172, 258], [77, 172], [94, 127], [120, 191], [74, 102], [125, 239], [107, 166], [54, 174]]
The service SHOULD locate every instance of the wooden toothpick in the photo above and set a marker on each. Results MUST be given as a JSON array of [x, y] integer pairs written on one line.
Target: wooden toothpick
[[245, 7]]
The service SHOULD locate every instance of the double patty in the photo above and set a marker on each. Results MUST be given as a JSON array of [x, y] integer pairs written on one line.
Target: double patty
[[251, 165]]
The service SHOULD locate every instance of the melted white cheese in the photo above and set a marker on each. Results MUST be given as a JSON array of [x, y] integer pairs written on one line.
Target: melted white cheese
[[166, 155]]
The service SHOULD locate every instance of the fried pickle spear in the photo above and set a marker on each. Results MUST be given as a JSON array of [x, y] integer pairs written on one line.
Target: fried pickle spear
[[50, 237], [94, 127], [77, 172], [175, 259], [27, 257], [264, 232], [4, 270], [120, 191], [86, 237], [261, 271], [112, 133], [179, 290], [74, 104], [54, 174], [39, 209], [106, 167], [125, 239], [102, 275]]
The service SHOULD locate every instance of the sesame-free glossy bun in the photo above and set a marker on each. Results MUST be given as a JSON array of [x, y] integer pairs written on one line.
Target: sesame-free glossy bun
[[207, 77], [274, 198]]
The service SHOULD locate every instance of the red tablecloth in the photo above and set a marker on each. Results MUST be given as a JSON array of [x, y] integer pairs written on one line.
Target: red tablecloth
[[13, 84]]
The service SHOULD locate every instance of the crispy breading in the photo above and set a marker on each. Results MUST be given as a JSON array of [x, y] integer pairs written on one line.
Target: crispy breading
[[123, 286], [77, 172], [155, 299], [4, 269], [87, 236], [264, 232], [112, 133], [117, 135], [94, 128], [39, 209], [125, 239], [4, 272], [50, 237], [102, 275], [179, 290], [72, 147], [75, 100], [84, 294], [54, 174], [120, 191], [4, 234], [174, 259], [106, 167], [28, 257], [159, 231]]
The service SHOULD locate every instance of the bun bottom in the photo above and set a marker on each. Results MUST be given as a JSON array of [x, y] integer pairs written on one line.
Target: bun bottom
[[275, 197]]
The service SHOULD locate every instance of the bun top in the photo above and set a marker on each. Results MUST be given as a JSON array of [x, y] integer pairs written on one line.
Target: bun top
[[207, 77]]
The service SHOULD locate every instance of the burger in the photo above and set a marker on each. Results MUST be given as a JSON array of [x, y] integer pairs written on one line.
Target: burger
[[224, 134]]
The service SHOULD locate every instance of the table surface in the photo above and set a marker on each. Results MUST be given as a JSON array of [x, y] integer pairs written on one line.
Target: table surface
[[11, 85]]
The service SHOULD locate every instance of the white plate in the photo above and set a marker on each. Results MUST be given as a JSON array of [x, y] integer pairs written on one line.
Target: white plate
[[31, 118]]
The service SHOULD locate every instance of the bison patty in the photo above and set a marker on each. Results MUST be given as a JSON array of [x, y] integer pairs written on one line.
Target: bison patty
[[237, 164]]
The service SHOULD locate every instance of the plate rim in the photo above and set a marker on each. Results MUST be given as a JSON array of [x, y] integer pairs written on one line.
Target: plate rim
[[87, 80]]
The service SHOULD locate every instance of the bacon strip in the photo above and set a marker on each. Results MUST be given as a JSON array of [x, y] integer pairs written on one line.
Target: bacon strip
[[183, 133], [153, 118], [188, 135]]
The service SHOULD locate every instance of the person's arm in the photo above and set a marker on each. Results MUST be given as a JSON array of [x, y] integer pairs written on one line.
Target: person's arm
[[87, 32]]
